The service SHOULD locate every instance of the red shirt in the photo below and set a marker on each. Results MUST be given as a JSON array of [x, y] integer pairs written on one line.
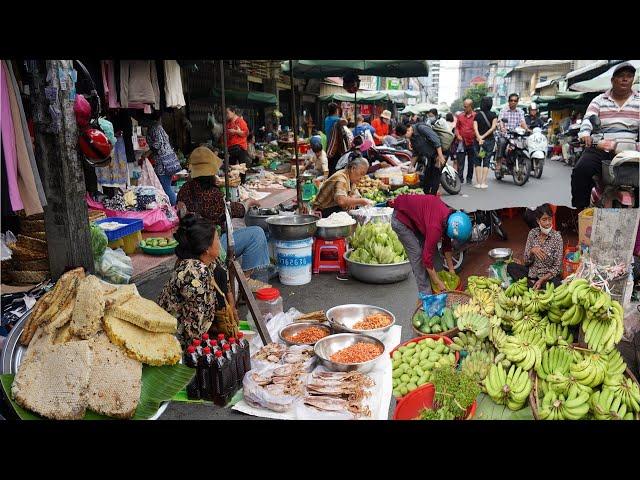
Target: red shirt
[[382, 130], [425, 215], [464, 126], [234, 138]]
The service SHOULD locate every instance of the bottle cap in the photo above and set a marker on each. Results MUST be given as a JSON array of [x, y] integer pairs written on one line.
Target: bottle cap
[[267, 294], [205, 336], [221, 336], [214, 343], [218, 353], [232, 340], [191, 349], [240, 334], [196, 343], [227, 346], [206, 350]]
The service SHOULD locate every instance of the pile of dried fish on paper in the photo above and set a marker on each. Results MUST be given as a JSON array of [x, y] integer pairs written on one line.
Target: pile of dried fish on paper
[[86, 344], [267, 180], [336, 392], [275, 354]]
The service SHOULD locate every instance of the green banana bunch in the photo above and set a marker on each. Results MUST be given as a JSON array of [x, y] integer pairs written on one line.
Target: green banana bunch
[[560, 407], [596, 301], [555, 332], [517, 289], [474, 322], [529, 323], [554, 314], [470, 343], [546, 299], [505, 302], [627, 390], [477, 364], [556, 361], [508, 388], [573, 316], [606, 405], [615, 366], [561, 297], [565, 384], [498, 337], [590, 370], [525, 350]]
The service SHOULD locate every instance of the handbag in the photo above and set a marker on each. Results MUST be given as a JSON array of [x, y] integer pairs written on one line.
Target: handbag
[[226, 319]]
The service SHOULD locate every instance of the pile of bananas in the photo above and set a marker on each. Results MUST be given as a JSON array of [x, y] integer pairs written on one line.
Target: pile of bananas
[[537, 302], [555, 361], [603, 331], [589, 369], [474, 322], [478, 363], [555, 333], [606, 405], [485, 301], [468, 342], [497, 336], [476, 283], [525, 351], [463, 308], [531, 323], [510, 389], [626, 389], [518, 288], [573, 406]]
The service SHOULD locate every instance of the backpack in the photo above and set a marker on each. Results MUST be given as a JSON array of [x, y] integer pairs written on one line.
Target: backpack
[[446, 135]]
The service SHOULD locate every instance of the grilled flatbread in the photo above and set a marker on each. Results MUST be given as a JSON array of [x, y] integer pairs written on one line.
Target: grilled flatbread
[[88, 309]]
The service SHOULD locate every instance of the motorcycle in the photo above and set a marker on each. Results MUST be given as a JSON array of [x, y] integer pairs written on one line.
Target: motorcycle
[[575, 145], [516, 156], [617, 184], [537, 148], [485, 223]]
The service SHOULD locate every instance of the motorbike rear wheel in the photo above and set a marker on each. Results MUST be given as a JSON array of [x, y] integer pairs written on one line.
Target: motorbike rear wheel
[[538, 166], [498, 173], [521, 172], [451, 183]]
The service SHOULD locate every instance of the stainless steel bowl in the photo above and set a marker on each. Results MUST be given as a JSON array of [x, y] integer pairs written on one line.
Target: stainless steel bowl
[[375, 215], [296, 327], [500, 253], [327, 346], [391, 273], [292, 227], [343, 317], [333, 233], [258, 217]]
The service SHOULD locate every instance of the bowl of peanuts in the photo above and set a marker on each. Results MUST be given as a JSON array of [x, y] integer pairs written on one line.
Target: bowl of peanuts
[[349, 352], [303, 333], [357, 318]]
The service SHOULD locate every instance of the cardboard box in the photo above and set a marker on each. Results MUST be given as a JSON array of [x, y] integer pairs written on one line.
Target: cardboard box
[[585, 224]]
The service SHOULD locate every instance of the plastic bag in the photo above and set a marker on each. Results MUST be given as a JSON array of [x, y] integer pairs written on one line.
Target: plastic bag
[[115, 266], [260, 397], [273, 327], [433, 305], [7, 239]]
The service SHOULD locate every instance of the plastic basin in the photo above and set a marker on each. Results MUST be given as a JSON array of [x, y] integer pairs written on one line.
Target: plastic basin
[[413, 403]]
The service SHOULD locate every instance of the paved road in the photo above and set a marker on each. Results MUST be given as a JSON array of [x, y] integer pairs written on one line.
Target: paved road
[[554, 187]]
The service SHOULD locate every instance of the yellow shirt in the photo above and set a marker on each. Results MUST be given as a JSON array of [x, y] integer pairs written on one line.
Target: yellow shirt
[[336, 185]]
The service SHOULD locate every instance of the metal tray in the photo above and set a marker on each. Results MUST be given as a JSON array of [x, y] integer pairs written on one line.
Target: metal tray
[[12, 353]]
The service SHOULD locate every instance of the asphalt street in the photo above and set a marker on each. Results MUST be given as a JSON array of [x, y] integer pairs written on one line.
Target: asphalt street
[[553, 187]]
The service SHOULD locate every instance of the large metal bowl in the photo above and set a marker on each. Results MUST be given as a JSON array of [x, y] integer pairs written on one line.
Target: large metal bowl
[[296, 327], [258, 217], [372, 214], [292, 227], [500, 253], [333, 233], [391, 273], [343, 317], [327, 346]]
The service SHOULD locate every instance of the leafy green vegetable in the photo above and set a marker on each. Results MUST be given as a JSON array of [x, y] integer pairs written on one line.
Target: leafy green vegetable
[[376, 243], [455, 392], [99, 241]]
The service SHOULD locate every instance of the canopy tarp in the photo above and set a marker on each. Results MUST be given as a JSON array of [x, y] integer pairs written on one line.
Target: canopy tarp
[[602, 82], [245, 98], [363, 97], [419, 108], [338, 68]]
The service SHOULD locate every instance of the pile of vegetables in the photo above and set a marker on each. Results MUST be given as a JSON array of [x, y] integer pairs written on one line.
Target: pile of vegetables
[[426, 324], [451, 281], [99, 241], [158, 242], [455, 392], [376, 195], [377, 244], [406, 191]]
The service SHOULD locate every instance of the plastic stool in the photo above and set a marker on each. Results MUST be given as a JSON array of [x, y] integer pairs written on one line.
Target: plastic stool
[[328, 255]]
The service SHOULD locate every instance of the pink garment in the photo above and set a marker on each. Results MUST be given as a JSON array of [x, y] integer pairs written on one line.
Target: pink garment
[[149, 178], [152, 220], [9, 144], [636, 249], [110, 92]]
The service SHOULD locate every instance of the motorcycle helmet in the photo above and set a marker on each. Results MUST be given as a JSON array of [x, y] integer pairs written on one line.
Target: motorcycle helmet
[[95, 146], [459, 227], [82, 109], [351, 82]]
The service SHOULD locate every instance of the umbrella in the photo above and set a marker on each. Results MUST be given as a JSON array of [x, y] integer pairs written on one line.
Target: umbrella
[[420, 108], [363, 97], [602, 82], [336, 68]]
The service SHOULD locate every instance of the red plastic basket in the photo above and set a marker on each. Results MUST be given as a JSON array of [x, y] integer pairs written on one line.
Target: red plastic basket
[[569, 267], [411, 405]]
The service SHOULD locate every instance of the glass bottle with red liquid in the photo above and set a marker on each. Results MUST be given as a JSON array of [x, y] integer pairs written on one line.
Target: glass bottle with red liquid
[[230, 356], [221, 340], [237, 361], [204, 374], [206, 341], [197, 343], [221, 379], [191, 360], [243, 345]]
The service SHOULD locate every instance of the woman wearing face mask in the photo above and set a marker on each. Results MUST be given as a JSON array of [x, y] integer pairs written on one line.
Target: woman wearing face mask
[[542, 254]]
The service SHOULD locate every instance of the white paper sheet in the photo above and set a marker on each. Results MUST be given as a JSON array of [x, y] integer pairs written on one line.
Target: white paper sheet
[[380, 400]]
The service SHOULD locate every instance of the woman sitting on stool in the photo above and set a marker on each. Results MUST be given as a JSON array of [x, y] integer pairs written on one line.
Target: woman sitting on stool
[[542, 254]]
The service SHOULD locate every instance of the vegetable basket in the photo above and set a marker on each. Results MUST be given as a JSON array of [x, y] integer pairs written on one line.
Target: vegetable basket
[[453, 298], [409, 407]]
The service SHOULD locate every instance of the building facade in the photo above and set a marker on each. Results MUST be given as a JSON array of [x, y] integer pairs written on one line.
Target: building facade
[[473, 72], [433, 81]]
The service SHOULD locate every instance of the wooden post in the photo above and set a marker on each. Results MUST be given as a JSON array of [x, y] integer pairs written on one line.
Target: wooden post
[[56, 138]]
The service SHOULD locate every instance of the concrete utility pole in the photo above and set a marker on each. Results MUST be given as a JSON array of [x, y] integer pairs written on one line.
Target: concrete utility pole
[[56, 138]]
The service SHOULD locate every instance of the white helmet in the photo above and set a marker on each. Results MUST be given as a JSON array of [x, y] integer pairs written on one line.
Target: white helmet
[[533, 106]]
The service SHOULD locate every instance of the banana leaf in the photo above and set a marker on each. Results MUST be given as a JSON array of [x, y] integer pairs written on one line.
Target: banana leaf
[[489, 410], [159, 384]]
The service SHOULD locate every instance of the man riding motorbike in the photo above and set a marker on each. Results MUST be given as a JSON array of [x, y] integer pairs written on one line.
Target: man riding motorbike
[[619, 112], [515, 118], [533, 120]]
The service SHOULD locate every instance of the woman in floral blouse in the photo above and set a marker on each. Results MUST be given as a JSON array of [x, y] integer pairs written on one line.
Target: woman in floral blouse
[[542, 254], [191, 293]]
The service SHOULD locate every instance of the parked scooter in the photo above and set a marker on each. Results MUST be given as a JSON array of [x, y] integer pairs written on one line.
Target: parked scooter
[[617, 185], [516, 157], [485, 223], [575, 145], [537, 148]]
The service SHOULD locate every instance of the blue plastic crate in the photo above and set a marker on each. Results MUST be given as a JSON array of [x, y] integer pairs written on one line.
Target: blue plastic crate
[[133, 226]]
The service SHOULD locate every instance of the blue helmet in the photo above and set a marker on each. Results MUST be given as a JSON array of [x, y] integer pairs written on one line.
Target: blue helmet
[[459, 227]]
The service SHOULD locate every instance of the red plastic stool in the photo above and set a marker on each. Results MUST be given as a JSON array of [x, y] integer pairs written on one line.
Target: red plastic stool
[[328, 255]]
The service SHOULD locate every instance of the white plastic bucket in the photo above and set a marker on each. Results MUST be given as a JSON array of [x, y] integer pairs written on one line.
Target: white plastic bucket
[[294, 261]]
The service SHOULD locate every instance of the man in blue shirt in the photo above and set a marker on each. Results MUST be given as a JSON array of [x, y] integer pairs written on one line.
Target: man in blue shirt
[[331, 119], [362, 126]]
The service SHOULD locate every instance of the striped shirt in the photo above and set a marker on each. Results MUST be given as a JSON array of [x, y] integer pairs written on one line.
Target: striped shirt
[[618, 122], [514, 117]]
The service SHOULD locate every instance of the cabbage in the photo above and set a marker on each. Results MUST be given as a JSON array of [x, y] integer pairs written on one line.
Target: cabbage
[[377, 244], [99, 241]]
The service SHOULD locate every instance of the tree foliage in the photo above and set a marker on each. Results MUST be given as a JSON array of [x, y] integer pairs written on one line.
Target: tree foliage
[[475, 93]]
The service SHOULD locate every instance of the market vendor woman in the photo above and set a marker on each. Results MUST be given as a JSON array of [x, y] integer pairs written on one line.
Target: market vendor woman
[[338, 192], [421, 222], [542, 253]]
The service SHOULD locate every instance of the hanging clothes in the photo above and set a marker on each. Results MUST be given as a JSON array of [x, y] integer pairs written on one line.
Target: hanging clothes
[[173, 85], [27, 137], [139, 83], [9, 143], [116, 174], [26, 179], [122, 122], [109, 84]]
